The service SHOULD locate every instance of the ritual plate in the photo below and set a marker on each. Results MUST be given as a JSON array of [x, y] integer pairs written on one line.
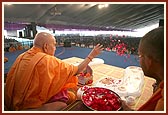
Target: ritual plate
[[101, 99], [123, 87], [110, 83]]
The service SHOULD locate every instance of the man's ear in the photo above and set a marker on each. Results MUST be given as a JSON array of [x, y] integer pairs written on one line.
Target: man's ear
[[45, 47]]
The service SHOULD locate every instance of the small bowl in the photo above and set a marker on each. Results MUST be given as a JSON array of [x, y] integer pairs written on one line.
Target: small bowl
[[85, 77]]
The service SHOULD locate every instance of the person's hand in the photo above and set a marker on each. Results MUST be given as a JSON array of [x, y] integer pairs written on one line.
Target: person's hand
[[125, 107], [96, 51]]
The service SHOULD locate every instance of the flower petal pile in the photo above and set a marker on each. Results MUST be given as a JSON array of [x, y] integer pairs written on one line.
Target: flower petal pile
[[101, 99]]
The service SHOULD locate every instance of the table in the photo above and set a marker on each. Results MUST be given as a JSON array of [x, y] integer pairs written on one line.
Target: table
[[103, 70]]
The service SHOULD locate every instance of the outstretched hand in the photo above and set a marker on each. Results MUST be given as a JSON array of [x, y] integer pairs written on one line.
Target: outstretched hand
[[96, 51]]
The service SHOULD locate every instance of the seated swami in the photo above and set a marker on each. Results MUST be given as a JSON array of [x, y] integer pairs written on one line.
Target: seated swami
[[39, 81], [12, 48]]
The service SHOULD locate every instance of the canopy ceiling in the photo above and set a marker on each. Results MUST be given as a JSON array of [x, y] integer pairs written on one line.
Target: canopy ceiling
[[113, 17]]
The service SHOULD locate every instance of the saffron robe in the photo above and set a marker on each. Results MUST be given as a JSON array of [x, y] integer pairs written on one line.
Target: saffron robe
[[19, 47], [12, 49], [49, 76], [5, 59], [156, 102]]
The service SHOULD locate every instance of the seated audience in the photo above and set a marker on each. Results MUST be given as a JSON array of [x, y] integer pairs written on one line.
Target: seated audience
[[39, 81], [12, 48], [26, 47], [19, 46], [5, 59]]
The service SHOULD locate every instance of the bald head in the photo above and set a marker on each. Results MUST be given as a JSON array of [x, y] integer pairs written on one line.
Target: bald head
[[46, 42], [152, 44], [42, 38]]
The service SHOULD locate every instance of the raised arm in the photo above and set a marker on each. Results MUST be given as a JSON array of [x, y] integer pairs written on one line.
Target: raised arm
[[96, 51]]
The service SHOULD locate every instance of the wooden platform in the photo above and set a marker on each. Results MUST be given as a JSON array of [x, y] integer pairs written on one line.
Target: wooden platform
[[103, 70]]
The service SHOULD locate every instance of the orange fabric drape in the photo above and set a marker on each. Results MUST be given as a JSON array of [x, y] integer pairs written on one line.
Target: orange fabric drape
[[49, 76], [5, 59], [156, 102]]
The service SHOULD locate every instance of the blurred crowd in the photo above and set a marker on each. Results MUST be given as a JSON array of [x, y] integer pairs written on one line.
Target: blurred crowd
[[121, 45], [11, 45], [128, 45]]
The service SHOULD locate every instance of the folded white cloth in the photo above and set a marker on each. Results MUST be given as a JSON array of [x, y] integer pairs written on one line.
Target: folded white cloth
[[96, 61]]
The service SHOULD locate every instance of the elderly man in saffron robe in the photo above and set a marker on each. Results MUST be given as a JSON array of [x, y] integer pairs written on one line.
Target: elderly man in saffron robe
[[39, 81]]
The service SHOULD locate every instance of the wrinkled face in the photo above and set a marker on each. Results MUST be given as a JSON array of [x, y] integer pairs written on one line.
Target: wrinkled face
[[51, 46]]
